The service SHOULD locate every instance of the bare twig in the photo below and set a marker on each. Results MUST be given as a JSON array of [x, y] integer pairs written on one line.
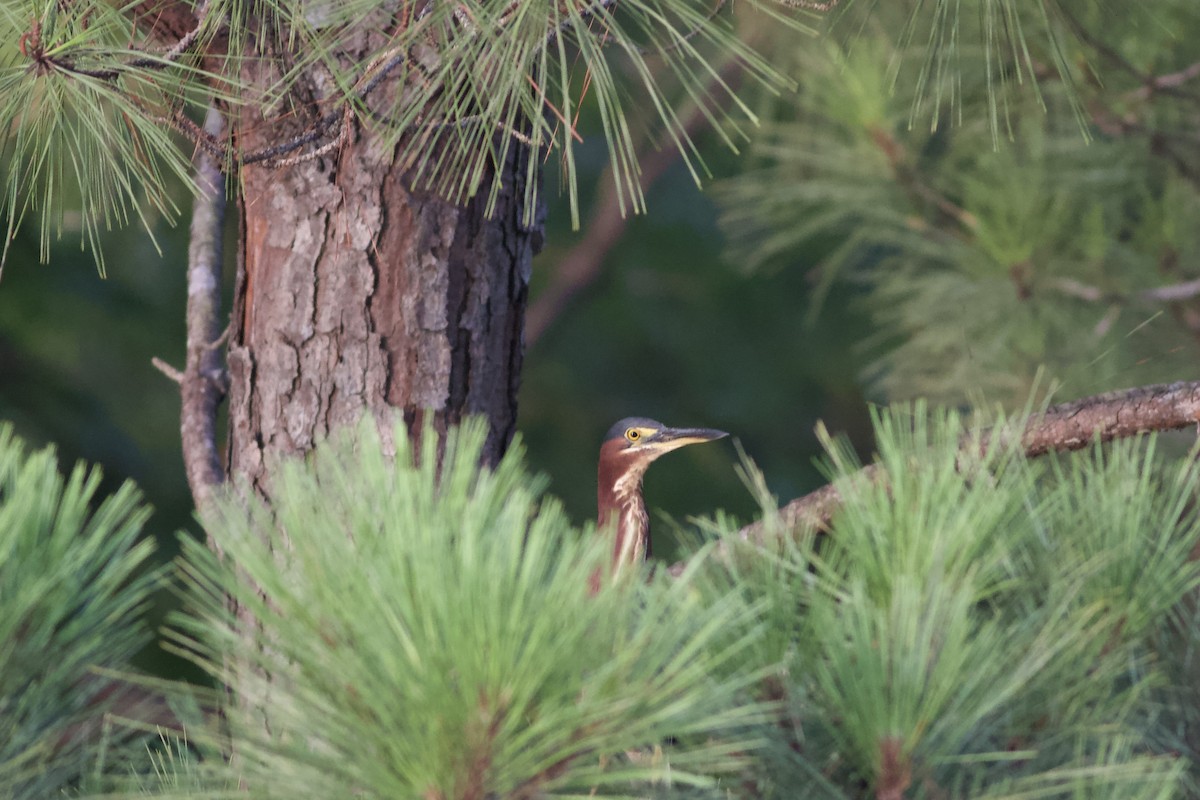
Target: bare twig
[[1173, 293], [337, 143], [196, 134], [201, 389], [1189, 290], [166, 369], [682, 38], [810, 5], [1079, 290], [172, 54], [222, 339], [271, 155], [1172, 80], [908, 177]]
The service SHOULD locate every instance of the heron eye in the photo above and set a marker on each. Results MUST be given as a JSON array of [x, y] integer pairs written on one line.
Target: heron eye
[[633, 434]]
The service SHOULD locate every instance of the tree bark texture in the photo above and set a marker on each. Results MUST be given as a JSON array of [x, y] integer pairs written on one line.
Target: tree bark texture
[[358, 291]]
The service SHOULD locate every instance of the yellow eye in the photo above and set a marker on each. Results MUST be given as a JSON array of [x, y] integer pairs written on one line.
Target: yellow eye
[[633, 434]]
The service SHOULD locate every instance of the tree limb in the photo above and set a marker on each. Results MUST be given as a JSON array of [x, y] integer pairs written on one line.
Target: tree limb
[[1061, 428], [1172, 80], [1173, 293], [201, 387]]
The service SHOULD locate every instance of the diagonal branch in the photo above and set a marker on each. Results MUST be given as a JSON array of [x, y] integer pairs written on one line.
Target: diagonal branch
[[1061, 428], [606, 226]]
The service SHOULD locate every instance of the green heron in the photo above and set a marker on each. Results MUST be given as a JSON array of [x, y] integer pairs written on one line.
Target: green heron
[[629, 447]]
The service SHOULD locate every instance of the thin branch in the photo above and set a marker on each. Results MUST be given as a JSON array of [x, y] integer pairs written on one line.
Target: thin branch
[[223, 338], [1189, 290], [810, 5], [909, 178], [30, 46], [686, 36], [185, 42], [201, 389], [1062, 428], [1172, 80], [172, 374], [194, 133], [270, 156], [344, 134], [1172, 293], [1079, 290], [1161, 143], [583, 264], [1150, 84]]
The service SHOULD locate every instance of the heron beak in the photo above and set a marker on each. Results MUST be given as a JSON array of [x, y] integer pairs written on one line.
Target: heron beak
[[672, 438]]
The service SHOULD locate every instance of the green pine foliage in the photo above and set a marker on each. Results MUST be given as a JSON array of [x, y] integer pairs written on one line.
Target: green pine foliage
[[83, 147], [90, 99], [983, 625], [74, 581], [974, 624], [1000, 181], [428, 631]]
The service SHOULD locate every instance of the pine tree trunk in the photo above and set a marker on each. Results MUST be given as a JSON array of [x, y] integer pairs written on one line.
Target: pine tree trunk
[[360, 293], [357, 292]]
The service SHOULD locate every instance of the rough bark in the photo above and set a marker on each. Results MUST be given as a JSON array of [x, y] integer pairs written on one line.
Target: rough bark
[[358, 291]]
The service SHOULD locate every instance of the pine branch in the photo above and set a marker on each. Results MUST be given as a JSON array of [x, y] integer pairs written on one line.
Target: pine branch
[[31, 46], [1062, 428]]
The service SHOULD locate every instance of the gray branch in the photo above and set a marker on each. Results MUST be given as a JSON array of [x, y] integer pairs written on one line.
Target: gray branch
[[202, 382], [1061, 428], [1173, 293]]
